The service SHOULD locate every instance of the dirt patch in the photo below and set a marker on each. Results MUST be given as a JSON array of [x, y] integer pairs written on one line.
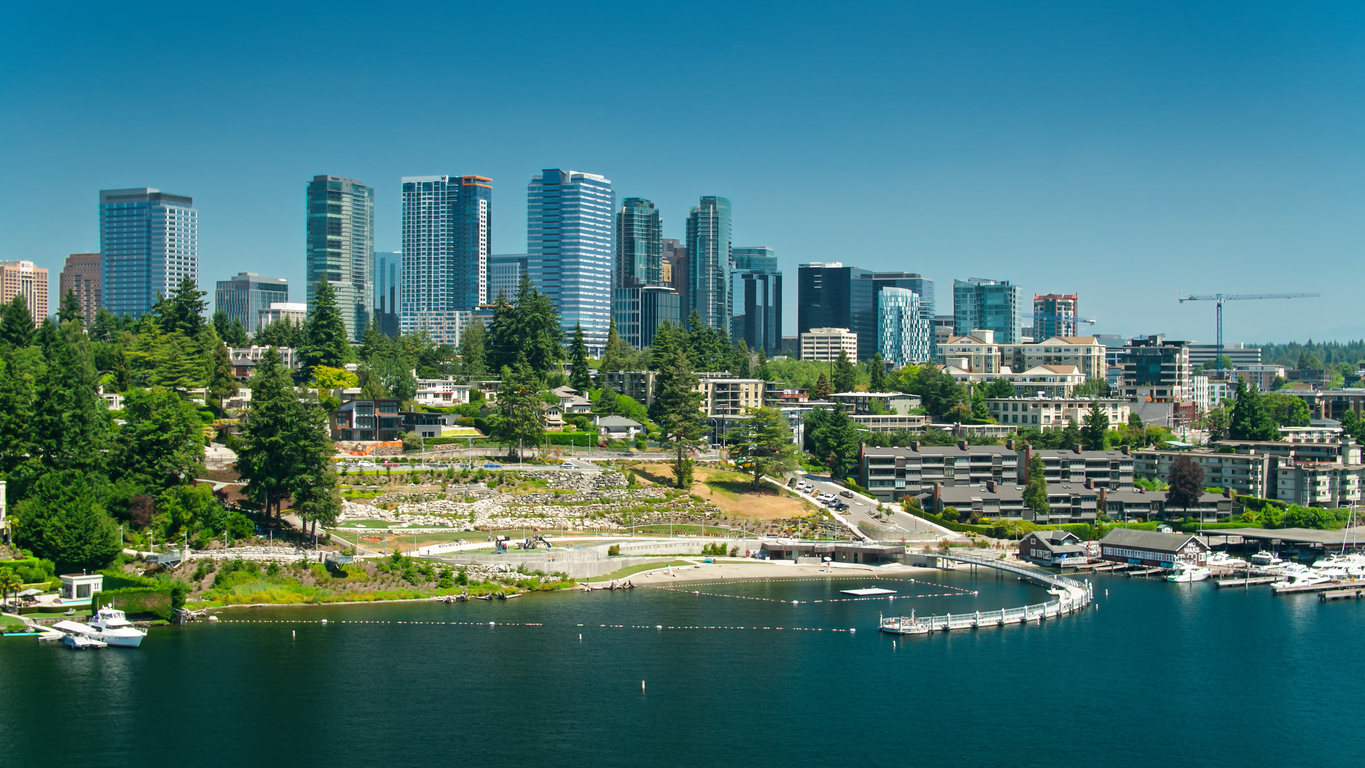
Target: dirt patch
[[731, 492]]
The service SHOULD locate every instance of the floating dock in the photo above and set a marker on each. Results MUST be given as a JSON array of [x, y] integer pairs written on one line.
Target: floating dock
[[1330, 586], [1148, 572], [1252, 581], [1342, 594]]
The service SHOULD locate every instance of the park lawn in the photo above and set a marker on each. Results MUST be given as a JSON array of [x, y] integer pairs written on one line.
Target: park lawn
[[731, 492], [624, 572], [9, 623]]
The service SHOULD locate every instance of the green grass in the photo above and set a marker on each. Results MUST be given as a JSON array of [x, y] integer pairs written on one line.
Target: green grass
[[692, 530], [9, 623], [624, 572]]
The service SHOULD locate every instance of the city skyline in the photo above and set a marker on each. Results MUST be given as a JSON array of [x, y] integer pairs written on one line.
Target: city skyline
[[1172, 148]]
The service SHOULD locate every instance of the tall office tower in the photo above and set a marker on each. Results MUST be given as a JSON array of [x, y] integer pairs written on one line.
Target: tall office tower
[[824, 292], [866, 309], [149, 241], [1054, 314], [447, 237], [504, 274], [570, 223], [709, 262], [757, 294], [81, 276], [388, 286], [341, 247], [993, 305], [640, 310], [26, 279], [639, 244], [904, 333], [244, 296], [675, 267]]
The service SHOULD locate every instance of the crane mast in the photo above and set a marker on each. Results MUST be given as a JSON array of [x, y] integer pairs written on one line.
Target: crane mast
[[1219, 298]]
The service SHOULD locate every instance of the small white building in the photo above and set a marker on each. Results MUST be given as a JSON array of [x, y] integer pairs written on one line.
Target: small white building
[[282, 310], [441, 393], [825, 344], [618, 427], [81, 586]]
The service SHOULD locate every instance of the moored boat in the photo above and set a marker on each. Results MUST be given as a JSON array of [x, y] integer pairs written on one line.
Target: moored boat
[[109, 625], [1186, 572], [904, 625]]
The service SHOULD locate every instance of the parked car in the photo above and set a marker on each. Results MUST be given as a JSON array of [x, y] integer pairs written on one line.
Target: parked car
[[492, 465], [846, 494]]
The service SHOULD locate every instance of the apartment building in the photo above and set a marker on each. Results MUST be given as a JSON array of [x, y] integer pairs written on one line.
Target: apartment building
[[1247, 474], [890, 473], [825, 344], [1074, 466], [1156, 369], [1054, 413]]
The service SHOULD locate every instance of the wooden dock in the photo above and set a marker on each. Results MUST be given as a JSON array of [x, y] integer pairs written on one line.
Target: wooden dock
[[1147, 572], [1342, 594], [1247, 582], [1328, 587]]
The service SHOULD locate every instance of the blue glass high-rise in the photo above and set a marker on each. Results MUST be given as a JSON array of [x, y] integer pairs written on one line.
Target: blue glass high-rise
[[447, 238], [571, 245], [340, 247], [709, 262], [639, 244], [992, 305], [756, 289], [149, 242], [243, 297], [904, 331]]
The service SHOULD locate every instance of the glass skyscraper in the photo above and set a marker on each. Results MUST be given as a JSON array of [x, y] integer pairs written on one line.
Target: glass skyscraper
[[824, 293], [244, 296], [904, 332], [866, 306], [992, 305], [709, 262], [447, 238], [341, 247], [149, 241], [756, 290], [388, 286], [639, 244], [504, 274], [571, 239]]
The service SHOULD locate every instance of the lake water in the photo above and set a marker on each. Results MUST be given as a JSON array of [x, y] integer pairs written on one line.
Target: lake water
[[1160, 674]]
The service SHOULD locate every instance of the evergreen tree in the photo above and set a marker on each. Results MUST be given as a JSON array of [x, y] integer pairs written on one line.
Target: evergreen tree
[[579, 378], [312, 481], [739, 361], [20, 370], [221, 323], [16, 323], [611, 354], [1035, 489], [324, 333], [877, 370], [183, 310], [64, 521], [371, 385], [176, 365], [70, 310], [762, 444], [608, 402], [822, 389], [980, 413], [1096, 426], [845, 376], [474, 349], [161, 442], [1216, 422], [519, 420], [677, 411], [836, 440], [106, 325], [528, 326], [70, 421], [1187, 483], [664, 344], [222, 383], [262, 459], [1250, 418], [762, 371]]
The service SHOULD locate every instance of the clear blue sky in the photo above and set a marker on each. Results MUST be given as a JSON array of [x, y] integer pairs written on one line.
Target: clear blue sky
[[1124, 151]]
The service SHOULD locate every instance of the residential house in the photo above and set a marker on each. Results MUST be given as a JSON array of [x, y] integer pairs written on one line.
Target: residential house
[[618, 428], [1055, 549]]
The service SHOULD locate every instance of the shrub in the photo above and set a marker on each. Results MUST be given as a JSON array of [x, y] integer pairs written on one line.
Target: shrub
[[614, 550]]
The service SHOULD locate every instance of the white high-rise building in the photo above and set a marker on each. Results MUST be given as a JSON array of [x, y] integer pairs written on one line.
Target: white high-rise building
[[149, 242]]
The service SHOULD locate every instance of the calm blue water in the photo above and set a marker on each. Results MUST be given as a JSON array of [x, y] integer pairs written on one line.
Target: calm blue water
[[1160, 674]]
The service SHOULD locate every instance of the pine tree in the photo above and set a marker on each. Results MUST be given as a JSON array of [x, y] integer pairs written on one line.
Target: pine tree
[[663, 345], [70, 310], [70, 424], [1251, 420], [762, 444], [16, 323], [822, 389], [183, 310], [312, 482], [222, 384], [64, 520], [1035, 489], [161, 442], [878, 381], [520, 417], [176, 365], [739, 361], [677, 411], [611, 354], [836, 440], [324, 333], [262, 459], [221, 323], [474, 349], [845, 376], [1096, 426], [579, 378], [20, 370]]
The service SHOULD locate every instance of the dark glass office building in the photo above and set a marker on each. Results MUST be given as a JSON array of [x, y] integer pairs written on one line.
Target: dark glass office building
[[639, 244], [709, 262], [866, 311], [757, 294]]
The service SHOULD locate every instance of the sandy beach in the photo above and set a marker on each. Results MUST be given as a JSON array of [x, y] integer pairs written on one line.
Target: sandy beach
[[740, 569]]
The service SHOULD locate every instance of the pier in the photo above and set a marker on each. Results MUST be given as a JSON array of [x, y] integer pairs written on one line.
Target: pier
[[1341, 594], [1250, 581], [1071, 596]]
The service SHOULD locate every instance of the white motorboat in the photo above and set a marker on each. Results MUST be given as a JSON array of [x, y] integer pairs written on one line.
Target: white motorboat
[[1310, 579], [108, 625], [904, 625], [81, 642], [1224, 560], [1185, 572], [1265, 559]]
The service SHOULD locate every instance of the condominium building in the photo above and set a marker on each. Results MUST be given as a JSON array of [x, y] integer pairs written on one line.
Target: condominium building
[[1156, 369], [1092, 469], [1054, 314], [826, 344], [709, 262], [867, 308], [340, 247], [1240, 355], [571, 249], [730, 397], [81, 276], [903, 332], [980, 352], [24, 278], [1054, 413], [994, 305], [890, 473], [388, 287], [245, 296], [447, 239], [1247, 474], [149, 242], [757, 293]]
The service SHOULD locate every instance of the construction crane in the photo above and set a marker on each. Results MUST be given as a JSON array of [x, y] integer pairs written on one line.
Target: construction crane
[[1220, 298]]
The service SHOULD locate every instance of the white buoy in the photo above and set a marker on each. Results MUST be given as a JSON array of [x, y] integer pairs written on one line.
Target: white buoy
[[642, 686], [292, 633], [324, 621], [853, 630], [580, 638]]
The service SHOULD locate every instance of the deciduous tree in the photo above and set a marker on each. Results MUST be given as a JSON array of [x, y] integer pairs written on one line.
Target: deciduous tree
[[1187, 483]]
